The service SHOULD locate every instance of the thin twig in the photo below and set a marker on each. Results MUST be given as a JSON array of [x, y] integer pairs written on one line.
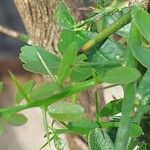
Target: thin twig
[[14, 34]]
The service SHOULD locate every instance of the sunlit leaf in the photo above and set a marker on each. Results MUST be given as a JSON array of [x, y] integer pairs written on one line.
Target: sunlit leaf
[[99, 140], [30, 58], [121, 75], [65, 111], [141, 53], [63, 16], [143, 88], [136, 130], [141, 19]]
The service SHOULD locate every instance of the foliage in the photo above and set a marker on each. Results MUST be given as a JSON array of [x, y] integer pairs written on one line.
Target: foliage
[[89, 56]]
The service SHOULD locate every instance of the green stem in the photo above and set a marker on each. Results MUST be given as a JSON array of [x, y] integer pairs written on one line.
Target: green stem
[[126, 119], [96, 105], [45, 123], [66, 92], [121, 22]]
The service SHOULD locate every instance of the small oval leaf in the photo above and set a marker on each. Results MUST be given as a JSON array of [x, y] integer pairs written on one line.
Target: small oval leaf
[[16, 119], [65, 111]]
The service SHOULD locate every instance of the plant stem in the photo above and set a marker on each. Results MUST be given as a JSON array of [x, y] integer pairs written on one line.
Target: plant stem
[[126, 119], [96, 105], [121, 22], [19, 36], [45, 123], [66, 92]]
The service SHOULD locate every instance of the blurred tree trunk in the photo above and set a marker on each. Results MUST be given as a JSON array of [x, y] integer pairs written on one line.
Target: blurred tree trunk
[[37, 16]]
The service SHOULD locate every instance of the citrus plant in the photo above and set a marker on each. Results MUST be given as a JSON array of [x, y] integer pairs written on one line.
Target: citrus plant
[[90, 55]]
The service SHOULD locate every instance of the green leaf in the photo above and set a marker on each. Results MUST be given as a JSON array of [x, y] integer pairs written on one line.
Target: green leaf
[[121, 75], [80, 37], [59, 143], [44, 91], [111, 108], [82, 127], [27, 89], [19, 87], [143, 91], [1, 87], [29, 56], [63, 16], [81, 70], [108, 56], [65, 111], [99, 140], [16, 119], [136, 130], [141, 53], [141, 19], [67, 61]]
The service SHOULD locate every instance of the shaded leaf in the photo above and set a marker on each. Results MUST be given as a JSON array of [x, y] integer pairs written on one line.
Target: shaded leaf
[[111, 108], [80, 37], [83, 126], [121, 75], [108, 56], [67, 61], [99, 140], [65, 111], [44, 91], [27, 89], [81, 70], [20, 88], [16, 119]]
